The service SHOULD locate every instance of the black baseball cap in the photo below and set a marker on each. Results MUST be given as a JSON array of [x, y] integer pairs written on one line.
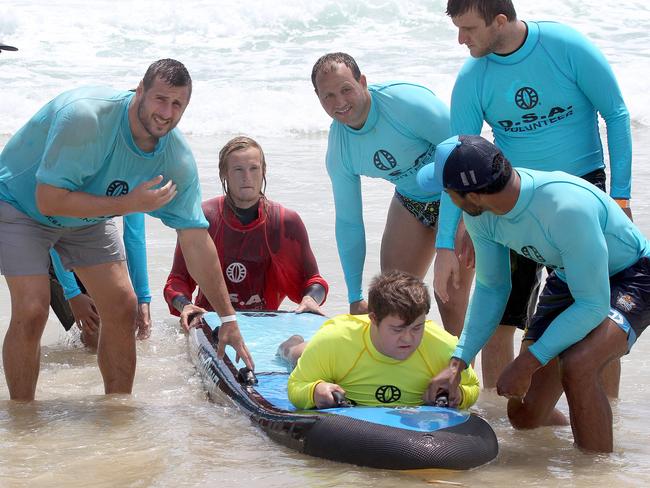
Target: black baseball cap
[[4, 47], [462, 163]]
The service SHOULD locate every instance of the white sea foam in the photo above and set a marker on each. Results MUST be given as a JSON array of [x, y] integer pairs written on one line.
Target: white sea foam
[[251, 61]]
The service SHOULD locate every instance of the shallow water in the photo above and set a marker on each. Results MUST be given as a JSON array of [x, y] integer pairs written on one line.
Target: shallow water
[[251, 66]]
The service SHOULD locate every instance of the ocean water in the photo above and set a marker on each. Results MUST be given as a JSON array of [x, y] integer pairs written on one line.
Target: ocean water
[[251, 64]]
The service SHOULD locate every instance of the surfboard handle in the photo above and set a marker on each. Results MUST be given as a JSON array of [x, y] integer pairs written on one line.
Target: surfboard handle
[[246, 377], [442, 400], [341, 401]]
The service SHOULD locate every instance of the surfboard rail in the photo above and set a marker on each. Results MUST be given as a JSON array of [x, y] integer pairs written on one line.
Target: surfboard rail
[[326, 434]]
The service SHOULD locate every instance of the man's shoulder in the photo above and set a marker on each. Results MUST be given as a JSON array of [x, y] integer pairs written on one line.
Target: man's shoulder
[[286, 214], [434, 333], [343, 327], [87, 115], [553, 28], [399, 91], [90, 96], [556, 34]]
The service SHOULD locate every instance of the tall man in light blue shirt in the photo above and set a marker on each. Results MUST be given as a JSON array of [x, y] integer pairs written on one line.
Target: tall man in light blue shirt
[[540, 87], [89, 154], [596, 301]]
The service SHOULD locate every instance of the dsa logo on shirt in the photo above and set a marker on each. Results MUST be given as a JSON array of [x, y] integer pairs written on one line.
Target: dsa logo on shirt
[[117, 188], [526, 98], [388, 394], [384, 160], [236, 272]]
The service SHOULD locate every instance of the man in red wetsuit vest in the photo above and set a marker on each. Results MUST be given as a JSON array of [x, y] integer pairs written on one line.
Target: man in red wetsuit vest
[[263, 247]]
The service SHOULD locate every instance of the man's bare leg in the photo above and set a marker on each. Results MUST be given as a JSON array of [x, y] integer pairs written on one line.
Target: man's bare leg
[[581, 367], [21, 351], [538, 406], [611, 378], [409, 246], [497, 354], [110, 287]]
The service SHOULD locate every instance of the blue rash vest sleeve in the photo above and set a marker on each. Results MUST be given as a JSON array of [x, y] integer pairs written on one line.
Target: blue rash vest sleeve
[[350, 230], [584, 253], [136, 255], [490, 295], [596, 79], [448, 219], [66, 278], [466, 119]]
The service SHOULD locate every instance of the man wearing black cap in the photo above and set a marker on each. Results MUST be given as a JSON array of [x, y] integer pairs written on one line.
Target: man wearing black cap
[[595, 303]]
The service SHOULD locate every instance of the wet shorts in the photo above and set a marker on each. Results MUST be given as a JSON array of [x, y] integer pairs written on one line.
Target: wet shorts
[[425, 212], [25, 244], [630, 302], [526, 275]]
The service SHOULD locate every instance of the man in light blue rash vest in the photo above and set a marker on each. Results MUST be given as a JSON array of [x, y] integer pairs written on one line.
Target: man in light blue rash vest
[[89, 154], [540, 87], [596, 301], [386, 131], [79, 308]]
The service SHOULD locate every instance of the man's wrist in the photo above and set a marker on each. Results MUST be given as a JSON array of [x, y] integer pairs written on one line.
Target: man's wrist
[[457, 365], [228, 318], [180, 302], [623, 202], [529, 360]]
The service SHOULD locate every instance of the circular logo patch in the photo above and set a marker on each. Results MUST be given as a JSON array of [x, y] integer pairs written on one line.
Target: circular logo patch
[[384, 160], [117, 188], [236, 272], [388, 394], [526, 98]]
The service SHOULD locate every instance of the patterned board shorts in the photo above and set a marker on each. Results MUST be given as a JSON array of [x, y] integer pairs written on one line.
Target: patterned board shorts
[[425, 212]]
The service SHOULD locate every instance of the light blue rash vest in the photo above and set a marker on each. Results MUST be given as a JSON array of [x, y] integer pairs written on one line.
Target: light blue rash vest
[[542, 103], [136, 260], [562, 222], [81, 141], [404, 125]]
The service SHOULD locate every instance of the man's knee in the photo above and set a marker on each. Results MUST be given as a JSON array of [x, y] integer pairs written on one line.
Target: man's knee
[[577, 366], [520, 416], [122, 310], [30, 318]]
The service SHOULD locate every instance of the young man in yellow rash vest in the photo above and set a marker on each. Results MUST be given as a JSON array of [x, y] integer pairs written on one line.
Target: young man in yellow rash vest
[[385, 358]]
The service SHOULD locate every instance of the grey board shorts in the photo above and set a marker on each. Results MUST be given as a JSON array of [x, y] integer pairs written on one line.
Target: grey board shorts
[[25, 244]]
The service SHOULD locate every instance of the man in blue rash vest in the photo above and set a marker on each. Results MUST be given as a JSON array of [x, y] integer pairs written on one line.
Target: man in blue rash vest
[[540, 87], [80, 308], [596, 301], [386, 131], [88, 154]]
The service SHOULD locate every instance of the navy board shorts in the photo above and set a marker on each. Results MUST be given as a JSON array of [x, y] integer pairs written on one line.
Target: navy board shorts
[[425, 212], [526, 275], [629, 302]]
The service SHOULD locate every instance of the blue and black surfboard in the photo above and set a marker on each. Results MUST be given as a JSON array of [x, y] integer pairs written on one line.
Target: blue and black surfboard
[[379, 437]]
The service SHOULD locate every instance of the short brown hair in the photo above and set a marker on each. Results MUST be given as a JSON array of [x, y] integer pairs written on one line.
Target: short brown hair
[[487, 9], [398, 293], [172, 72], [325, 63], [237, 144]]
